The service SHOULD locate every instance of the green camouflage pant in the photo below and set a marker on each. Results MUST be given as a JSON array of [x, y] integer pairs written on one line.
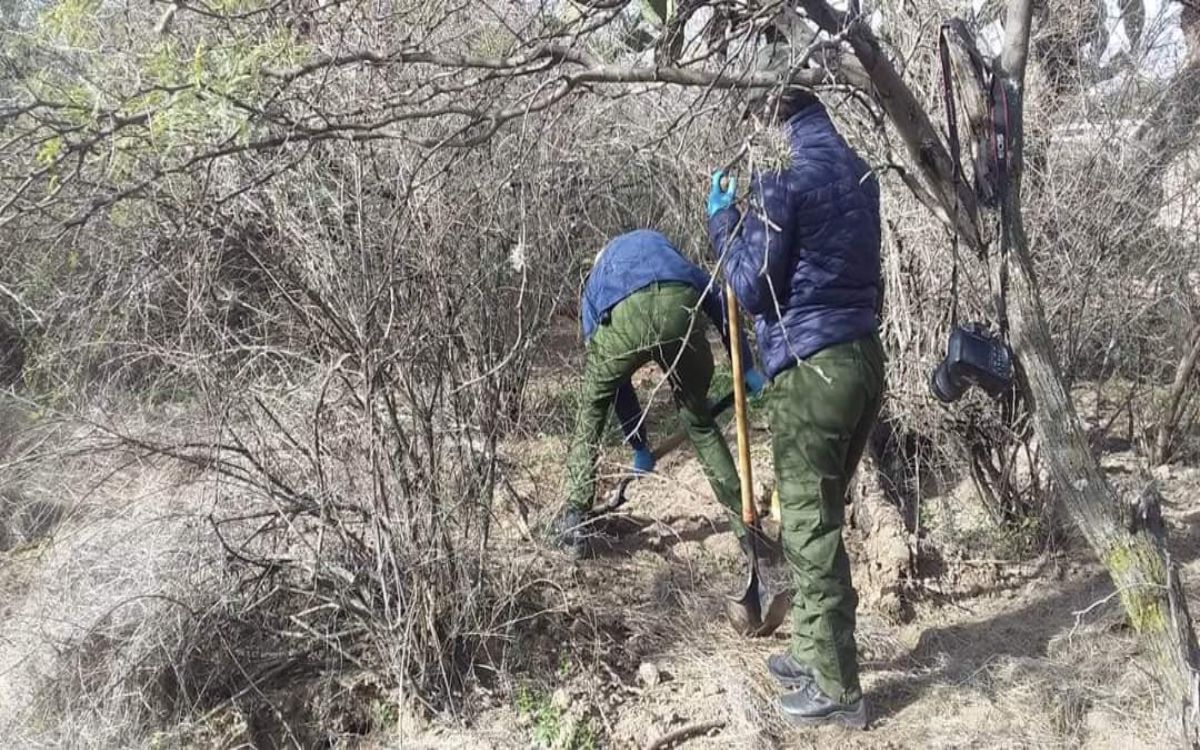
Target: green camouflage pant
[[659, 323], [822, 412]]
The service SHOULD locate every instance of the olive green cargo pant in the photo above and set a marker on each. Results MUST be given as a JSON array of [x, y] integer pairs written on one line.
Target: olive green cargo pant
[[660, 323], [822, 411]]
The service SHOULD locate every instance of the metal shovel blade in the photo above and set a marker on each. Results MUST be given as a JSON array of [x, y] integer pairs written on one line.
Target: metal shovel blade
[[775, 612], [745, 610], [756, 612]]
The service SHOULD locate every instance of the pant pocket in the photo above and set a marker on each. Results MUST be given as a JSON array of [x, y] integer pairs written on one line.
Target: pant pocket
[[833, 501]]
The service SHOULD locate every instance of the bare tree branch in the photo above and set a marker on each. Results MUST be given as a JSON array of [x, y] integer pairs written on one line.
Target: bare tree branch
[[921, 138], [1016, 39]]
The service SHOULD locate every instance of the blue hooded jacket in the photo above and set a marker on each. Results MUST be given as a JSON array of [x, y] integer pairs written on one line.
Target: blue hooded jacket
[[810, 272], [631, 262]]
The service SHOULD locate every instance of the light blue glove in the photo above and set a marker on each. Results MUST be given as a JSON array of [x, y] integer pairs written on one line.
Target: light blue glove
[[718, 198], [643, 461], [755, 382]]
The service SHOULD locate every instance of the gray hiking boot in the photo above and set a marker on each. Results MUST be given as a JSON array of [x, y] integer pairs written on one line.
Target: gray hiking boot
[[788, 670], [809, 706]]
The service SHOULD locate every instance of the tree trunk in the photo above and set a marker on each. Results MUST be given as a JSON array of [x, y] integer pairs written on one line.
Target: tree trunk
[[12, 353], [1176, 400], [1131, 545], [955, 203], [889, 554], [1127, 537], [1167, 130]]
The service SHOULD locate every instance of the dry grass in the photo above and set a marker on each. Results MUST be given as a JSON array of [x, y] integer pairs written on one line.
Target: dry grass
[[91, 614], [1027, 661], [114, 629], [364, 567]]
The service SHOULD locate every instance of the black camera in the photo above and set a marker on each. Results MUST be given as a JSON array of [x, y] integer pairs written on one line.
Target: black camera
[[976, 356]]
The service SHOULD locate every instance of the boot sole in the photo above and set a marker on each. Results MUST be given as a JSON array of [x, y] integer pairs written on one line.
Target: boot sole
[[849, 719]]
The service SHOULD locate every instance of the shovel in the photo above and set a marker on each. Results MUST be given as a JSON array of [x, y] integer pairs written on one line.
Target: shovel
[[754, 612]]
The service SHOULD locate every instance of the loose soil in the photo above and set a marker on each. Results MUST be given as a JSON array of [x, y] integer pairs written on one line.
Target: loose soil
[[994, 653]]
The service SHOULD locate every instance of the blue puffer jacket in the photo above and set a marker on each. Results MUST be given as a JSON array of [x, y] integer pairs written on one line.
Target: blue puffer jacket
[[810, 273]]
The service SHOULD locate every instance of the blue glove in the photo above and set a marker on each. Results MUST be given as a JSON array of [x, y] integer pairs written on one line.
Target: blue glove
[[643, 461], [718, 198], [755, 382]]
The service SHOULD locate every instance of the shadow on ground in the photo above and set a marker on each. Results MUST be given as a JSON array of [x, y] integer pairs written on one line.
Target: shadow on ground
[[620, 535], [952, 655], [949, 656]]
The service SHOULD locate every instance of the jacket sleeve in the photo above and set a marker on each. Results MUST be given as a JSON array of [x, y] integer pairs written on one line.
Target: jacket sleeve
[[755, 249], [629, 412], [587, 315]]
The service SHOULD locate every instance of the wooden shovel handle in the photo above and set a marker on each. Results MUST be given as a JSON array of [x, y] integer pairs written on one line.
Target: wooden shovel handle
[[739, 407]]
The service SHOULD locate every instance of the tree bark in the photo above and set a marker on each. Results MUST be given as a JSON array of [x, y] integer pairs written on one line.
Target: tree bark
[[1176, 399], [889, 551], [12, 353], [1132, 549], [1127, 537], [920, 137]]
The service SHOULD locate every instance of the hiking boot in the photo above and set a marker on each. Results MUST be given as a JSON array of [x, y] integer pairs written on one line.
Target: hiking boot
[[569, 533], [788, 670], [810, 706]]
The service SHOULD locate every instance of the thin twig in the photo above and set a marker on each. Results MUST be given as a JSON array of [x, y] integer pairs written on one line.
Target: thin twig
[[700, 727]]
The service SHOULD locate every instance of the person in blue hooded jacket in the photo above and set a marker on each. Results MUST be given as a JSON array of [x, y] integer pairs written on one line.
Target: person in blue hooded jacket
[[802, 254], [641, 304]]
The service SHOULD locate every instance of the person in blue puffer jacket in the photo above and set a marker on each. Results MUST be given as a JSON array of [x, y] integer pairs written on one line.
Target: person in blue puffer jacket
[[803, 258]]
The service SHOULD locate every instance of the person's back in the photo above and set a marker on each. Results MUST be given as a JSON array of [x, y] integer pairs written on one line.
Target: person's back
[[820, 247], [835, 250], [641, 304], [630, 262]]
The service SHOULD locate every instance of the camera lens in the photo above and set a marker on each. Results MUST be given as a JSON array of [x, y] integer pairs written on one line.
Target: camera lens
[[944, 386]]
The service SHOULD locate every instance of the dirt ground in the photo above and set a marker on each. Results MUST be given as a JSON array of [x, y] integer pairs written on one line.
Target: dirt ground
[[632, 644], [997, 653]]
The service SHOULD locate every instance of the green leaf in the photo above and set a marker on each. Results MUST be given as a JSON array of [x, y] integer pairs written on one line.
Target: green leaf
[[48, 152]]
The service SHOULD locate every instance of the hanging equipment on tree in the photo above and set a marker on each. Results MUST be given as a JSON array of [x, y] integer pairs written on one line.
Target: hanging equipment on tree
[[975, 355]]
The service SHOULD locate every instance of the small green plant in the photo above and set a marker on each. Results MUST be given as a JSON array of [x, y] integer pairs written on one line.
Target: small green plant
[[1023, 537], [562, 408], [551, 726], [71, 21], [384, 714]]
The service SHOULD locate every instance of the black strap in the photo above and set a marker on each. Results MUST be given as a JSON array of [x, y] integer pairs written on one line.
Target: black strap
[[999, 112], [955, 158], [1002, 150]]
